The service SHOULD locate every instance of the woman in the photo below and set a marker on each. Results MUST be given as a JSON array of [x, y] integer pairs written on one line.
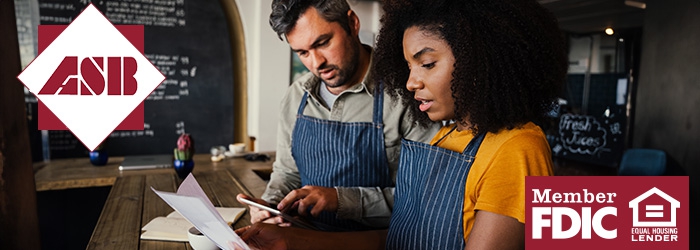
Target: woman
[[494, 69]]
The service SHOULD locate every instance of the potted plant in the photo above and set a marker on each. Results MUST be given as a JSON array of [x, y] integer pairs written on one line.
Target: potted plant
[[99, 156], [183, 163]]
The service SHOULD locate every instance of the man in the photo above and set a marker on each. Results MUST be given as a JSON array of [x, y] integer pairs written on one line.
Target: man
[[339, 135]]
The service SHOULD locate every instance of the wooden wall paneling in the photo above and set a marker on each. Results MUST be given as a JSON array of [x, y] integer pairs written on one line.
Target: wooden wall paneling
[[19, 223]]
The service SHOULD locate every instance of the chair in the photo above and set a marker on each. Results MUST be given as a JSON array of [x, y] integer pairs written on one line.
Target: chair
[[642, 161]]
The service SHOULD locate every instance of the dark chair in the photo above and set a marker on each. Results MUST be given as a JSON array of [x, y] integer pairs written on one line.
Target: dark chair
[[642, 161]]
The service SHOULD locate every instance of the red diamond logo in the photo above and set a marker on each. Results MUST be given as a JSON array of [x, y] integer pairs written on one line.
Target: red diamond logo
[[91, 78]]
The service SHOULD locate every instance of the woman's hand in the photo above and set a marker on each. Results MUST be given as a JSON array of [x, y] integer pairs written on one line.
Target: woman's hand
[[266, 236], [263, 236], [259, 215]]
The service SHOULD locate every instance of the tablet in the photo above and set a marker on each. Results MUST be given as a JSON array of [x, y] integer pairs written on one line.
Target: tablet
[[287, 217]]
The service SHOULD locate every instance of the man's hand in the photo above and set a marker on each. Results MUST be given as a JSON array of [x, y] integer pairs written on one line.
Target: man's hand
[[259, 215], [321, 198]]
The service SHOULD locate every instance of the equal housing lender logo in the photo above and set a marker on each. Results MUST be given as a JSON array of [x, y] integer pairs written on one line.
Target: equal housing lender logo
[[607, 212], [91, 77]]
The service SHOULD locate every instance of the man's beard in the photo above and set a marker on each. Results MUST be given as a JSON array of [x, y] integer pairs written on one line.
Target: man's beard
[[343, 75]]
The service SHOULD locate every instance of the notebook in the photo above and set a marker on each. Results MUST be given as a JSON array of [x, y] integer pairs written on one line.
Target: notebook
[[133, 162], [174, 227]]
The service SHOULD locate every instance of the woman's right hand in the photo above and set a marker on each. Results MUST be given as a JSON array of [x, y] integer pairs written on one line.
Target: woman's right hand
[[259, 215], [263, 236]]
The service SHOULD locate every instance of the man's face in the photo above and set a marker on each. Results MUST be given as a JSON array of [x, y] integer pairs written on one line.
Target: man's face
[[325, 48]]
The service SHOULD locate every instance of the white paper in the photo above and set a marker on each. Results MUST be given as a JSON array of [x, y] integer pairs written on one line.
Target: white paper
[[192, 203]]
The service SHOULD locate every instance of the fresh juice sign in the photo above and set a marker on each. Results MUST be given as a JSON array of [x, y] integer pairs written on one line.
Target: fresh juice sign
[[607, 212]]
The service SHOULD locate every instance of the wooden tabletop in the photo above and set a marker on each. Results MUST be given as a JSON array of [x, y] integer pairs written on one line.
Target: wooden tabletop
[[80, 173], [131, 203]]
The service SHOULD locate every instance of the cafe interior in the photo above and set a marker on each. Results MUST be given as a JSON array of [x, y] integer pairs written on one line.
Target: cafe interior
[[631, 89]]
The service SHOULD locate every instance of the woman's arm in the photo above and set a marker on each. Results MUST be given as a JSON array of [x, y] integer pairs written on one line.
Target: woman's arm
[[495, 231]]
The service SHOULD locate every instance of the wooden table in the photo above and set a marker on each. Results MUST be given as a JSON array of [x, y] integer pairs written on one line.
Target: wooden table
[[131, 203], [79, 173]]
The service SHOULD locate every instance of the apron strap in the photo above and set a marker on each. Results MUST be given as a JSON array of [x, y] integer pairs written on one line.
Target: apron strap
[[302, 105], [474, 144], [377, 116]]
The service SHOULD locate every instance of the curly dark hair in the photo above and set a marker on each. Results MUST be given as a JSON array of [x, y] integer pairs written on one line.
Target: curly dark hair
[[511, 57], [285, 13]]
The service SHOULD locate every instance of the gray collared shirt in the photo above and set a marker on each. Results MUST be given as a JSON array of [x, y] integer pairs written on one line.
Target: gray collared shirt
[[368, 205]]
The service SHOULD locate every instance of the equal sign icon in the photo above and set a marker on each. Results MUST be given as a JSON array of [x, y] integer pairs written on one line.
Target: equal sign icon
[[654, 211]]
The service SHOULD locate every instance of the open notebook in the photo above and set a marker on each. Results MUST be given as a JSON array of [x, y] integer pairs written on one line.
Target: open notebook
[[174, 227]]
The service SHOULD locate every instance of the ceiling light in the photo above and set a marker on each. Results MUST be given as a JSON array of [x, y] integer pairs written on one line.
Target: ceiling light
[[609, 31], [637, 4]]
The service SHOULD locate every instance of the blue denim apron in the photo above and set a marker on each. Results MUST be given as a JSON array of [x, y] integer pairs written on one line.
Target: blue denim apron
[[430, 196], [346, 154]]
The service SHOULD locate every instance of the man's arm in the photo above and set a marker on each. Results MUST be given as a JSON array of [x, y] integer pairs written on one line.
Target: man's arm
[[285, 175], [369, 205]]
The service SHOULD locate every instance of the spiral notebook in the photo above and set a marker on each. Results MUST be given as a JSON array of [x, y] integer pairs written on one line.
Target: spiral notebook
[[135, 162]]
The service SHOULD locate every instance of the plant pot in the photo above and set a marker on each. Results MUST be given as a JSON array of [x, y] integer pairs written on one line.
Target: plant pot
[[183, 167], [98, 158]]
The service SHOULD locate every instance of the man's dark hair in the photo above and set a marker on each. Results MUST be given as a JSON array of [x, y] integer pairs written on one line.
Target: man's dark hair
[[285, 13], [510, 57]]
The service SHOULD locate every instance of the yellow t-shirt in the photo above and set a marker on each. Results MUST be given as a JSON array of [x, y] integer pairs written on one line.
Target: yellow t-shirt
[[496, 181]]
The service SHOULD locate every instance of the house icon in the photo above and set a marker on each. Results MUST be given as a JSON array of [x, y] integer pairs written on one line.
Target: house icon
[[654, 210]]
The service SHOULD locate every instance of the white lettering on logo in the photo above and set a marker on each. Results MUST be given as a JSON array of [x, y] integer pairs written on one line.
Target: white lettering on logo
[[583, 222]]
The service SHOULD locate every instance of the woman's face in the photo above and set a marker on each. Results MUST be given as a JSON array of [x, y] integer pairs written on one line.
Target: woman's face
[[431, 63]]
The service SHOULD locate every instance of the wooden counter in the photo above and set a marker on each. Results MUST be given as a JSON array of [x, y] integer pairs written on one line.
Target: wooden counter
[[131, 203], [79, 173]]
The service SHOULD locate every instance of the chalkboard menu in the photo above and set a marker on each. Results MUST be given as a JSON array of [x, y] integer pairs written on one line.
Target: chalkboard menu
[[188, 42], [591, 139]]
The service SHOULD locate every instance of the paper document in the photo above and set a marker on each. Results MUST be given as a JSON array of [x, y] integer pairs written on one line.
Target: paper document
[[192, 203], [174, 227]]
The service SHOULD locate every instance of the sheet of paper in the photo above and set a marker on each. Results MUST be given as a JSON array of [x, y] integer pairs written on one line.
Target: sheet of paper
[[190, 187], [192, 203], [174, 227]]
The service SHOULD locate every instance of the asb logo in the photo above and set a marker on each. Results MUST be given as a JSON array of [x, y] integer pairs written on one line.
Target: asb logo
[[91, 77], [92, 80], [607, 212]]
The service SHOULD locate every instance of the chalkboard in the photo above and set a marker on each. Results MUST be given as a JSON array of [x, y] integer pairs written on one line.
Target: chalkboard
[[591, 139], [188, 42]]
